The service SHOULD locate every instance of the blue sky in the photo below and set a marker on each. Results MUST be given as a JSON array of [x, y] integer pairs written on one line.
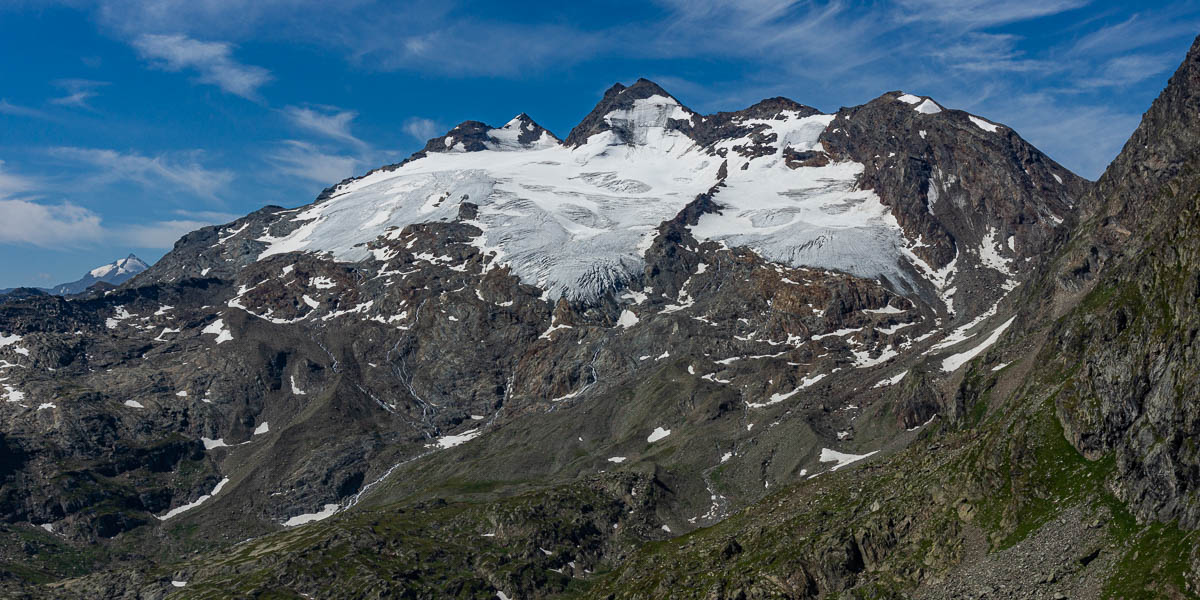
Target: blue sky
[[125, 123]]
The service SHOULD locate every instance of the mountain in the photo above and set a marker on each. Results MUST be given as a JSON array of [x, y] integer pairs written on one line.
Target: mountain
[[115, 273], [892, 351]]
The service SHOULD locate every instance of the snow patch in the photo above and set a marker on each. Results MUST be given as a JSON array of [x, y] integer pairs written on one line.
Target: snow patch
[[658, 434], [887, 310], [928, 107], [209, 443], [841, 458], [953, 362], [119, 314], [450, 441], [627, 319], [984, 125], [218, 329], [777, 398], [193, 504], [989, 253], [327, 511], [891, 380]]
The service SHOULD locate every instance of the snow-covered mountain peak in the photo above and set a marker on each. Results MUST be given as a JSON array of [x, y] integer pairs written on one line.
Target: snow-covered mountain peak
[[576, 220], [637, 115], [646, 121], [115, 272], [862, 191], [124, 266], [520, 133], [774, 108]]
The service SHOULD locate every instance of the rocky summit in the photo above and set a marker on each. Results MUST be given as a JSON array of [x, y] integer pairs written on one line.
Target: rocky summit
[[889, 352]]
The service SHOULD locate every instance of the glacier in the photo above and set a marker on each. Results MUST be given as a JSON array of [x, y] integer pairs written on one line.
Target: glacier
[[576, 221]]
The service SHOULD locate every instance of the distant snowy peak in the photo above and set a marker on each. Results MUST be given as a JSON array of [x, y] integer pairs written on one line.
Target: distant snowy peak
[[115, 273], [130, 265]]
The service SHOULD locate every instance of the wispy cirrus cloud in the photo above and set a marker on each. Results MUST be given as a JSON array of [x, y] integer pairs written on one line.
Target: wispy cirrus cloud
[[421, 128], [1140, 30], [181, 172], [327, 121], [78, 92], [220, 18], [306, 161], [213, 62], [979, 14], [16, 110]]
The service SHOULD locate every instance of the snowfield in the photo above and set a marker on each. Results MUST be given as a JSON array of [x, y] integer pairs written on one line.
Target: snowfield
[[576, 221]]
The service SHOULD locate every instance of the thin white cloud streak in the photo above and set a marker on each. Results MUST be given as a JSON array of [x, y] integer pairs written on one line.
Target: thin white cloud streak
[[1128, 70], [421, 128], [153, 172], [329, 122], [79, 91], [306, 161], [1138, 31], [212, 61], [465, 48], [979, 14], [16, 110], [220, 18]]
